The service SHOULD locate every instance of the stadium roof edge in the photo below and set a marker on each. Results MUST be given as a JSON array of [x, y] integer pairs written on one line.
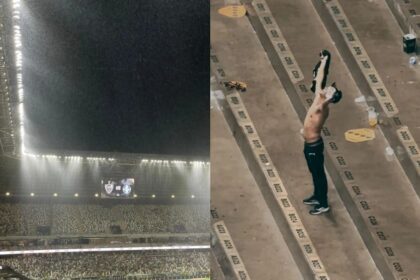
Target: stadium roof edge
[[117, 155]]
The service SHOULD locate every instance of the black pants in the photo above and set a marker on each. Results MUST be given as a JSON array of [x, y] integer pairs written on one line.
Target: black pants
[[314, 154]]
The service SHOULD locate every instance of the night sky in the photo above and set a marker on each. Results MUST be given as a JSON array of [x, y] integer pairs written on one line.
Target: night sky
[[126, 75]]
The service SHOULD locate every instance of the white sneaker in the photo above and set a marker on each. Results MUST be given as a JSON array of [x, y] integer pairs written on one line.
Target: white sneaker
[[319, 210]]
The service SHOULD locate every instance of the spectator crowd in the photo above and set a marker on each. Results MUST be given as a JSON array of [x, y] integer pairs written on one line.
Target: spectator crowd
[[23, 219], [110, 264]]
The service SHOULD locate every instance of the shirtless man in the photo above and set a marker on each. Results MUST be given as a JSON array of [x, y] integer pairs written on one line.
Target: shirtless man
[[314, 146]]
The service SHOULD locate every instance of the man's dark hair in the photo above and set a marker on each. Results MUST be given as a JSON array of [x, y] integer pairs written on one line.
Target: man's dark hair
[[336, 96]]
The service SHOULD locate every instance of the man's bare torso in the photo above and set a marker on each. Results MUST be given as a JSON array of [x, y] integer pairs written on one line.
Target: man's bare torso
[[318, 112], [315, 119]]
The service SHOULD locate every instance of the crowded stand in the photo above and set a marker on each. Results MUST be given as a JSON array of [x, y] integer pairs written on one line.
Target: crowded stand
[[112, 265], [26, 219]]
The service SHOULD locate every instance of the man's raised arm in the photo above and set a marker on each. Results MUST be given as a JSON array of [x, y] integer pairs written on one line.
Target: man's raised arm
[[320, 72]]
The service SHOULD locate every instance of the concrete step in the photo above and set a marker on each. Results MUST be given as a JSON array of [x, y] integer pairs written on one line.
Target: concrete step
[[244, 59], [237, 200], [374, 194]]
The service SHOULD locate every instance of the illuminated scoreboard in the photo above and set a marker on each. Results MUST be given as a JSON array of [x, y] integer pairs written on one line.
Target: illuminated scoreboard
[[117, 188]]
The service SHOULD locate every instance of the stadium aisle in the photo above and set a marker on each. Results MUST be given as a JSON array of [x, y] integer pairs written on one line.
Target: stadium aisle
[[239, 203], [377, 29], [383, 185], [244, 59]]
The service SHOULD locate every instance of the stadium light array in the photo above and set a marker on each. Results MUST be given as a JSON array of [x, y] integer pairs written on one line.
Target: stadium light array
[[17, 39], [104, 249], [178, 161], [51, 156], [104, 159], [197, 162], [73, 157], [96, 158], [31, 155], [144, 160]]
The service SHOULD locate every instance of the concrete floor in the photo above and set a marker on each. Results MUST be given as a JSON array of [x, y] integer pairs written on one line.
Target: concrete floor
[[239, 203], [378, 30], [388, 126], [381, 181], [244, 59]]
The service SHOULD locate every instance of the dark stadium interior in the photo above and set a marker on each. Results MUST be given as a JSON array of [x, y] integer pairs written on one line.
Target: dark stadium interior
[[121, 76], [92, 84], [114, 180]]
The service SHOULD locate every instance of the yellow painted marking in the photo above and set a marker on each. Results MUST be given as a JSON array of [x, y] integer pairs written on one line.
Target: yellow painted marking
[[233, 11], [359, 135]]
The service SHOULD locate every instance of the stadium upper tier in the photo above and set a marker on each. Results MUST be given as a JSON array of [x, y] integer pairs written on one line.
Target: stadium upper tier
[[28, 219], [86, 173]]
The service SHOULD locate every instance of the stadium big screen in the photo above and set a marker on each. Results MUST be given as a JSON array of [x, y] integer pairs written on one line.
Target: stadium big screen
[[117, 188]]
